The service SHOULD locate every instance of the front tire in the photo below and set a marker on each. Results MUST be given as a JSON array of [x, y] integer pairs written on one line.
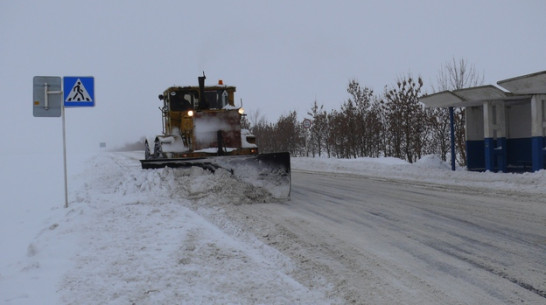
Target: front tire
[[157, 149], [147, 154]]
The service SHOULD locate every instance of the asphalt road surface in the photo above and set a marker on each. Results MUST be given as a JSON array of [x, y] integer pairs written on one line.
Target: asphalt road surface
[[382, 241]]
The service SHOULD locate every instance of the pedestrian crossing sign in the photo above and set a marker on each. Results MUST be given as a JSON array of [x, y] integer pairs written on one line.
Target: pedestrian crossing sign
[[79, 91]]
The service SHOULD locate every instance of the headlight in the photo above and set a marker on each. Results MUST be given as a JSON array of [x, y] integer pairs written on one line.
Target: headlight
[[190, 113], [241, 111]]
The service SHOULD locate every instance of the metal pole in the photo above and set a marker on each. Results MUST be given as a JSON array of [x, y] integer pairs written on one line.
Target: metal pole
[[64, 156], [452, 127]]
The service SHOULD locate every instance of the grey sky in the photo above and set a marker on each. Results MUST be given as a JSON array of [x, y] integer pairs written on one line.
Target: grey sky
[[281, 55]]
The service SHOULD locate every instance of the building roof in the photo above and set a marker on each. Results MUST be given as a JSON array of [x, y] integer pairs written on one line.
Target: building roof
[[527, 84], [519, 89]]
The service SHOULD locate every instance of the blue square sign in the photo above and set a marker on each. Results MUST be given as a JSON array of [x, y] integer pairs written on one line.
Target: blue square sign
[[79, 91]]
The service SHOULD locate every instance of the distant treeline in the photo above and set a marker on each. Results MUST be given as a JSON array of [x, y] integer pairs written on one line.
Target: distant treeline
[[391, 124]]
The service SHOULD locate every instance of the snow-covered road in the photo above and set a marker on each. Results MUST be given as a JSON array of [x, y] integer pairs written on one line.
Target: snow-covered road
[[386, 241], [361, 231]]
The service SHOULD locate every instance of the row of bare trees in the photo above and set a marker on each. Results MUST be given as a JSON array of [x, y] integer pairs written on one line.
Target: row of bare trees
[[393, 124], [366, 125]]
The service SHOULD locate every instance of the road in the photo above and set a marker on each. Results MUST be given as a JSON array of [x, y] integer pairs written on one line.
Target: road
[[382, 241]]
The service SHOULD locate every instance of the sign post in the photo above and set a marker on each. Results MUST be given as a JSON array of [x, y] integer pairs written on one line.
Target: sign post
[[48, 94], [64, 160]]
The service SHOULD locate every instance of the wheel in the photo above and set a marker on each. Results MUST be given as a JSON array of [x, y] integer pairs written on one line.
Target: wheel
[[157, 149], [147, 154]]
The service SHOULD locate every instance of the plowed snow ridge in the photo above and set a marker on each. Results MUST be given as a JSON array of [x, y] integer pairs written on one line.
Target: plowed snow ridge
[[158, 237]]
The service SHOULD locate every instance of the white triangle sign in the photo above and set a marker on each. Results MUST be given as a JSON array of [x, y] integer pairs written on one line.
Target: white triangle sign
[[78, 93]]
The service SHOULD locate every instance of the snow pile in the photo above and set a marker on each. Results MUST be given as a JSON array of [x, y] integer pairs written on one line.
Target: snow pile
[[432, 162], [133, 236]]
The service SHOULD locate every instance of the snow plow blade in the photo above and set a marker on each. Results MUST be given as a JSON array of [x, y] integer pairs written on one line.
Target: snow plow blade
[[268, 171]]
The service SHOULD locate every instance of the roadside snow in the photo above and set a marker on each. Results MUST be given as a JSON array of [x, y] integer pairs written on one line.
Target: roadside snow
[[133, 236], [429, 169]]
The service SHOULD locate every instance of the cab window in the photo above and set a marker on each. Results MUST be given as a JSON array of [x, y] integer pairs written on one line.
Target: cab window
[[182, 100], [216, 99]]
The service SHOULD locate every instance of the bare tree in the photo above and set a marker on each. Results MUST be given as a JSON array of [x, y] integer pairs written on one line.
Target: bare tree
[[265, 140], [438, 122], [319, 129], [405, 118], [361, 98], [457, 74], [289, 135], [454, 75], [256, 118]]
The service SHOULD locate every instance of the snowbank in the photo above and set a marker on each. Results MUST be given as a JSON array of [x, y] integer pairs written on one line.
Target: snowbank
[[429, 169], [133, 236]]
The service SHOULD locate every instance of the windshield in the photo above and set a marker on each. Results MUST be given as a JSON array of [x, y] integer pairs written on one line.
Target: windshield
[[216, 99], [182, 100]]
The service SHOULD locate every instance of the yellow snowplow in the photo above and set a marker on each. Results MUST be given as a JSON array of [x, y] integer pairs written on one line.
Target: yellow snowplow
[[202, 127]]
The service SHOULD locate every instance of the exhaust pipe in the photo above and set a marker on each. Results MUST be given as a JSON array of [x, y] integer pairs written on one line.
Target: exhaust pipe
[[203, 104]]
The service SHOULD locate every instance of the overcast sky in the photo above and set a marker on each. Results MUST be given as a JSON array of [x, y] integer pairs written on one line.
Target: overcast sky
[[281, 55]]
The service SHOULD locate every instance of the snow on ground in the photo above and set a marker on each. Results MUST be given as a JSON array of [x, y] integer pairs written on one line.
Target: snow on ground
[[429, 169], [133, 236]]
